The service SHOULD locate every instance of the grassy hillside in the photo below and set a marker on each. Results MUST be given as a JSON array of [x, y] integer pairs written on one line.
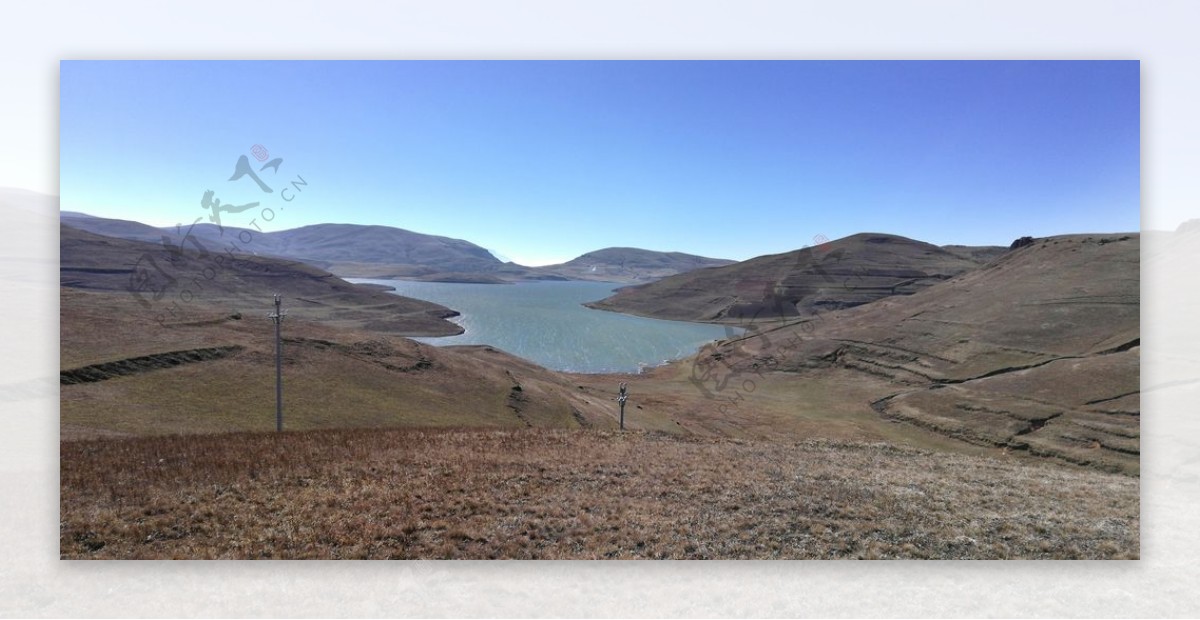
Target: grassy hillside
[[204, 283], [580, 495], [953, 362], [847, 272], [1037, 351], [994, 415], [204, 363], [125, 375]]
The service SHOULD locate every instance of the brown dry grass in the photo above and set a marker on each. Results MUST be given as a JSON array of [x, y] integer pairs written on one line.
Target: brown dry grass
[[535, 493], [334, 377]]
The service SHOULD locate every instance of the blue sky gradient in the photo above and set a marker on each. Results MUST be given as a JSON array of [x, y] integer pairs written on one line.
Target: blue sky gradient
[[542, 161]]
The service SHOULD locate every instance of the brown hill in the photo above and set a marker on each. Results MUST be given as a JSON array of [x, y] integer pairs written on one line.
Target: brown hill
[[1038, 351], [847, 272], [125, 229], [332, 244], [132, 370], [171, 284], [929, 409], [353, 250], [350, 250], [124, 374], [199, 358]]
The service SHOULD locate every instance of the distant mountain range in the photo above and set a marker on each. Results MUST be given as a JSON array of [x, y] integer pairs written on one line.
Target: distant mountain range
[[631, 265], [352, 250]]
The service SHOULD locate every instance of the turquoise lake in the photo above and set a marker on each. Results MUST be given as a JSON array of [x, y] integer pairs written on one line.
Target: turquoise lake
[[545, 322]]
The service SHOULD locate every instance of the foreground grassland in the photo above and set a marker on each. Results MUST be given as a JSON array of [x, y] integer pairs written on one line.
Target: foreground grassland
[[535, 493]]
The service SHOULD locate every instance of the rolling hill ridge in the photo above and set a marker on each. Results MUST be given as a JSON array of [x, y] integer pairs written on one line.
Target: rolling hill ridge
[[168, 284], [843, 273], [1039, 350], [371, 251], [630, 265]]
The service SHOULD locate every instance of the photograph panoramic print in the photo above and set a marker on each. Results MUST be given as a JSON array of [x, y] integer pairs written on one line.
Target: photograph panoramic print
[[599, 309]]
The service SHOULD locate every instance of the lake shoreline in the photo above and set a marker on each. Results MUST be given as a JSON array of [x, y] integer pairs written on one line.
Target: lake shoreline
[[551, 324]]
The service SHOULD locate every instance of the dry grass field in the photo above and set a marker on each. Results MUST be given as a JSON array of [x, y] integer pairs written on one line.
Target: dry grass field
[[534, 493], [1037, 351], [936, 425]]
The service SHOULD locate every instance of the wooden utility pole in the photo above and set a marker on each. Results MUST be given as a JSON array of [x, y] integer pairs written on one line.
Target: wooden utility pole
[[277, 318], [621, 399]]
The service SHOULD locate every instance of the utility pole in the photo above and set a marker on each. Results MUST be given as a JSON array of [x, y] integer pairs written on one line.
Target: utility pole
[[621, 399], [277, 318]]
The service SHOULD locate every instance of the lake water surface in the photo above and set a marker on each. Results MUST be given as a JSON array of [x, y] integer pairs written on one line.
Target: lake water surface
[[545, 322]]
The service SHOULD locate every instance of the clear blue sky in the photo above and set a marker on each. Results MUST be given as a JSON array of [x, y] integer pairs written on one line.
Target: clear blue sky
[[543, 161]]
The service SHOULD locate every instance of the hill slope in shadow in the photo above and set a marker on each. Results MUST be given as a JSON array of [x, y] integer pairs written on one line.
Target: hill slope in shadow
[[847, 272], [170, 283]]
